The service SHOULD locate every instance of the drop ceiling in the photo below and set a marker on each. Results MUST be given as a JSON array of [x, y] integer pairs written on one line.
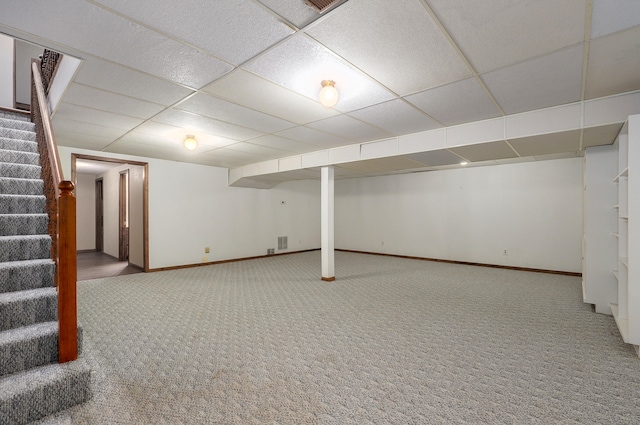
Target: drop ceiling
[[243, 75]]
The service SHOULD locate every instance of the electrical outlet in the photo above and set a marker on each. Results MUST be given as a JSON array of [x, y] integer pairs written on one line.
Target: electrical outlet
[[206, 250], [505, 252], [205, 259]]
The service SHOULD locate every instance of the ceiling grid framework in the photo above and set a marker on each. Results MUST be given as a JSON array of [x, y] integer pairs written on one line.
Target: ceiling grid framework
[[445, 76]]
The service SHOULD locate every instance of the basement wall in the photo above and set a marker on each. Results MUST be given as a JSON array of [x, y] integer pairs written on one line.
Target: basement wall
[[533, 210], [192, 207]]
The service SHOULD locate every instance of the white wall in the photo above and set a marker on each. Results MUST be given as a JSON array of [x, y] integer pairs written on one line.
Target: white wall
[[533, 210], [192, 207], [85, 212], [6, 71], [25, 51]]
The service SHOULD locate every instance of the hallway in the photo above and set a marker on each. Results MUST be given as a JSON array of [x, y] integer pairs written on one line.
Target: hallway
[[96, 265]]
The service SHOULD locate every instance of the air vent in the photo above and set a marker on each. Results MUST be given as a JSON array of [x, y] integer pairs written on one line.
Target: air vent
[[322, 6], [282, 242]]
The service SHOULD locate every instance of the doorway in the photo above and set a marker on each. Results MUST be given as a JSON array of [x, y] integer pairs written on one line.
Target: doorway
[[123, 216], [119, 210], [99, 216]]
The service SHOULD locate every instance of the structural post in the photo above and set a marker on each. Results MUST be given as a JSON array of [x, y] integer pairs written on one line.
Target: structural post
[[326, 226]]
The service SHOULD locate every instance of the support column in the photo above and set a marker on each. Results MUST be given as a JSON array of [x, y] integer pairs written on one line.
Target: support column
[[326, 226]]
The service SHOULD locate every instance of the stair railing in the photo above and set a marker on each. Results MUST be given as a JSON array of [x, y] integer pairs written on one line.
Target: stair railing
[[61, 208]]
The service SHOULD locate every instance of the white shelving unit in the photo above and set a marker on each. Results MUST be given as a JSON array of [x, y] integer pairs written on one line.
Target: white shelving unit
[[627, 309], [599, 241]]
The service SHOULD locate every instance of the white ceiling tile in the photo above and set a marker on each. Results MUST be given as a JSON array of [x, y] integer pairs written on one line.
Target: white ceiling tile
[[435, 158], [235, 32], [212, 107], [603, 135], [396, 117], [178, 134], [83, 26], [611, 16], [84, 141], [242, 87], [193, 122], [397, 43], [276, 142], [485, 151], [151, 151], [65, 124], [94, 116], [443, 103], [315, 137], [545, 144], [172, 140], [549, 80], [350, 128], [294, 11], [301, 64], [613, 65], [90, 97], [118, 79], [497, 33]]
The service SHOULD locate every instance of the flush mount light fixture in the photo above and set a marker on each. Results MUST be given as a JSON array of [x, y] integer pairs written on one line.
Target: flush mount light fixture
[[190, 142], [464, 163], [328, 93]]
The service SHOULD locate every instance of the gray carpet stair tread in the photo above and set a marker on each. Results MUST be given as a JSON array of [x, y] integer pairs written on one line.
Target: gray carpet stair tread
[[16, 124], [24, 308], [34, 394], [22, 204], [21, 171], [19, 157], [25, 247], [28, 347], [16, 116], [27, 274], [18, 145], [17, 134], [23, 224], [17, 186]]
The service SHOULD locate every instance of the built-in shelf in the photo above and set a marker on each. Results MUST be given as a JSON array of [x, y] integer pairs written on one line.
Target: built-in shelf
[[623, 173], [627, 310], [622, 322], [617, 206]]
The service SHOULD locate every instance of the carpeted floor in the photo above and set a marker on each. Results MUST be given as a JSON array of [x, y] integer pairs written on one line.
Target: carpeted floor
[[391, 341]]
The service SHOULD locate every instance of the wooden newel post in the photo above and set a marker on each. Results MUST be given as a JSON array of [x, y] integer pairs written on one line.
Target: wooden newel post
[[67, 274]]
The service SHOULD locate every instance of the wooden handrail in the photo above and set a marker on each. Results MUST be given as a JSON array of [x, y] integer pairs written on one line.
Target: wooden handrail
[[54, 159], [61, 207]]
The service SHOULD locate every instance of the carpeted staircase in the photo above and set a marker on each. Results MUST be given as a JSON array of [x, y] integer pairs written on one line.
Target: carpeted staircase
[[32, 383]]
